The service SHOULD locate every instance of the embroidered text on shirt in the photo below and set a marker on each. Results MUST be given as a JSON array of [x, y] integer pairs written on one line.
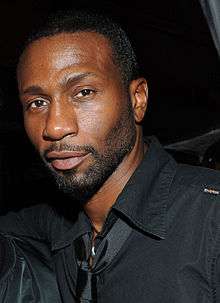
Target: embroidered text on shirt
[[211, 191]]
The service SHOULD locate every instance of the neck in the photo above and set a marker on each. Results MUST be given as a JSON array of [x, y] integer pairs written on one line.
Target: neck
[[97, 208]]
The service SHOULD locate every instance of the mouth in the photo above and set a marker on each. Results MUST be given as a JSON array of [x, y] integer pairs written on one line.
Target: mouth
[[66, 160]]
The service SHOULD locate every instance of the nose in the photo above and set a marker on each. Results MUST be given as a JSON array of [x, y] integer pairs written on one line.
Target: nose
[[61, 121]]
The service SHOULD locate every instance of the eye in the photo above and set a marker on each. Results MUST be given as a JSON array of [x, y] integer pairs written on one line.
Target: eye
[[38, 103], [85, 92]]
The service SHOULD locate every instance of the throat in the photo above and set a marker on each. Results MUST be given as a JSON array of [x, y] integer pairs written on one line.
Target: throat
[[100, 204]]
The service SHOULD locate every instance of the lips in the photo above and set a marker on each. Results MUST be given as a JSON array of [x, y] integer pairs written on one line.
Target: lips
[[66, 160]]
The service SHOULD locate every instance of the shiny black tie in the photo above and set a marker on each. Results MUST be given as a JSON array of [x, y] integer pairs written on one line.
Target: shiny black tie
[[86, 290]]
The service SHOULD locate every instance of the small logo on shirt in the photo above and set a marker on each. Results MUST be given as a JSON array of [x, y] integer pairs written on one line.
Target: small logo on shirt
[[211, 191]]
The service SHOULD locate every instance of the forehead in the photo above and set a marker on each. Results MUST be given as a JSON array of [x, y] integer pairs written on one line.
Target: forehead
[[59, 52]]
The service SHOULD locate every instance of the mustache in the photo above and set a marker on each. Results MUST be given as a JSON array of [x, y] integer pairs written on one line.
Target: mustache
[[62, 147]]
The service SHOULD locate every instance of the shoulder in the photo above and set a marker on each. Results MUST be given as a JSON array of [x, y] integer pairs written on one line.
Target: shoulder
[[32, 221], [197, 177], [195, 196]]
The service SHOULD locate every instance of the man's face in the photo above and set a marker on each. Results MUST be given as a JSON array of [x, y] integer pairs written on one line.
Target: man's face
[[76, 110]]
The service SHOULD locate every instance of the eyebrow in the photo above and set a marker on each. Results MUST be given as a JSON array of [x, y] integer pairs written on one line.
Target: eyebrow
[[33, 90], [68, 81], [75, 78]]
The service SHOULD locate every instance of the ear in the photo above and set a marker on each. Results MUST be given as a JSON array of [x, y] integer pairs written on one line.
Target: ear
[[139, 96]]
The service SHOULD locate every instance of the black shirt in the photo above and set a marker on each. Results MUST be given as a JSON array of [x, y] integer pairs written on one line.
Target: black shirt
[[172, 252]]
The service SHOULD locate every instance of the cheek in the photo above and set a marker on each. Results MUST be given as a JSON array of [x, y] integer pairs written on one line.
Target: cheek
[[33, 130], [97, 123]]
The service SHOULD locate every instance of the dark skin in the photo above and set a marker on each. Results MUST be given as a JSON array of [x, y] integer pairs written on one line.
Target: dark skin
[[72, 93]]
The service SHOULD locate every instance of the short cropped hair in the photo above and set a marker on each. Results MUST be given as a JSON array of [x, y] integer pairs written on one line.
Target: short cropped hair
[[123, 54]]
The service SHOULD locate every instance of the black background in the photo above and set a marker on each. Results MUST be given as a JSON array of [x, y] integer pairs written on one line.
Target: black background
[[177, 56]]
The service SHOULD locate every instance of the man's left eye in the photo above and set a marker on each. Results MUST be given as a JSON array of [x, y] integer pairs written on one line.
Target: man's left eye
[[85, 92]]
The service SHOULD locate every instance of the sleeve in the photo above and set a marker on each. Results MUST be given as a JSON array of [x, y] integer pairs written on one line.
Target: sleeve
[[26, 274], [214, 258], [217, 279], [7, 257], [34, 222]]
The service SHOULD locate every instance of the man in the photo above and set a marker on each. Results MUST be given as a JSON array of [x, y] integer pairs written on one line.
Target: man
[[147, 229]]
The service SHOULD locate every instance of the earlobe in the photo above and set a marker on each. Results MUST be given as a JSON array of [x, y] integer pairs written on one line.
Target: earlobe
[[139, 97]]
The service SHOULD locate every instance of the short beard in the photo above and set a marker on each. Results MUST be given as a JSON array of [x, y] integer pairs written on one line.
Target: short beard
[[119, 143]]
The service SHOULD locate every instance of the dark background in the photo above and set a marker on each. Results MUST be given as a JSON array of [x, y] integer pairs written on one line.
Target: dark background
[[177, 56]]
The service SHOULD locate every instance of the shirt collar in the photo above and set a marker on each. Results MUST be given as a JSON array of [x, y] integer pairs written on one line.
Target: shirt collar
[[143, 201], [69, 231]]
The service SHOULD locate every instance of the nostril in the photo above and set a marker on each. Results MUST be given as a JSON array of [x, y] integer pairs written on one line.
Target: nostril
[[58, 132]]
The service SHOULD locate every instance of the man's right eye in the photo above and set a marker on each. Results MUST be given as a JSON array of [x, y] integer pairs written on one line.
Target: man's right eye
[[37, 103]]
